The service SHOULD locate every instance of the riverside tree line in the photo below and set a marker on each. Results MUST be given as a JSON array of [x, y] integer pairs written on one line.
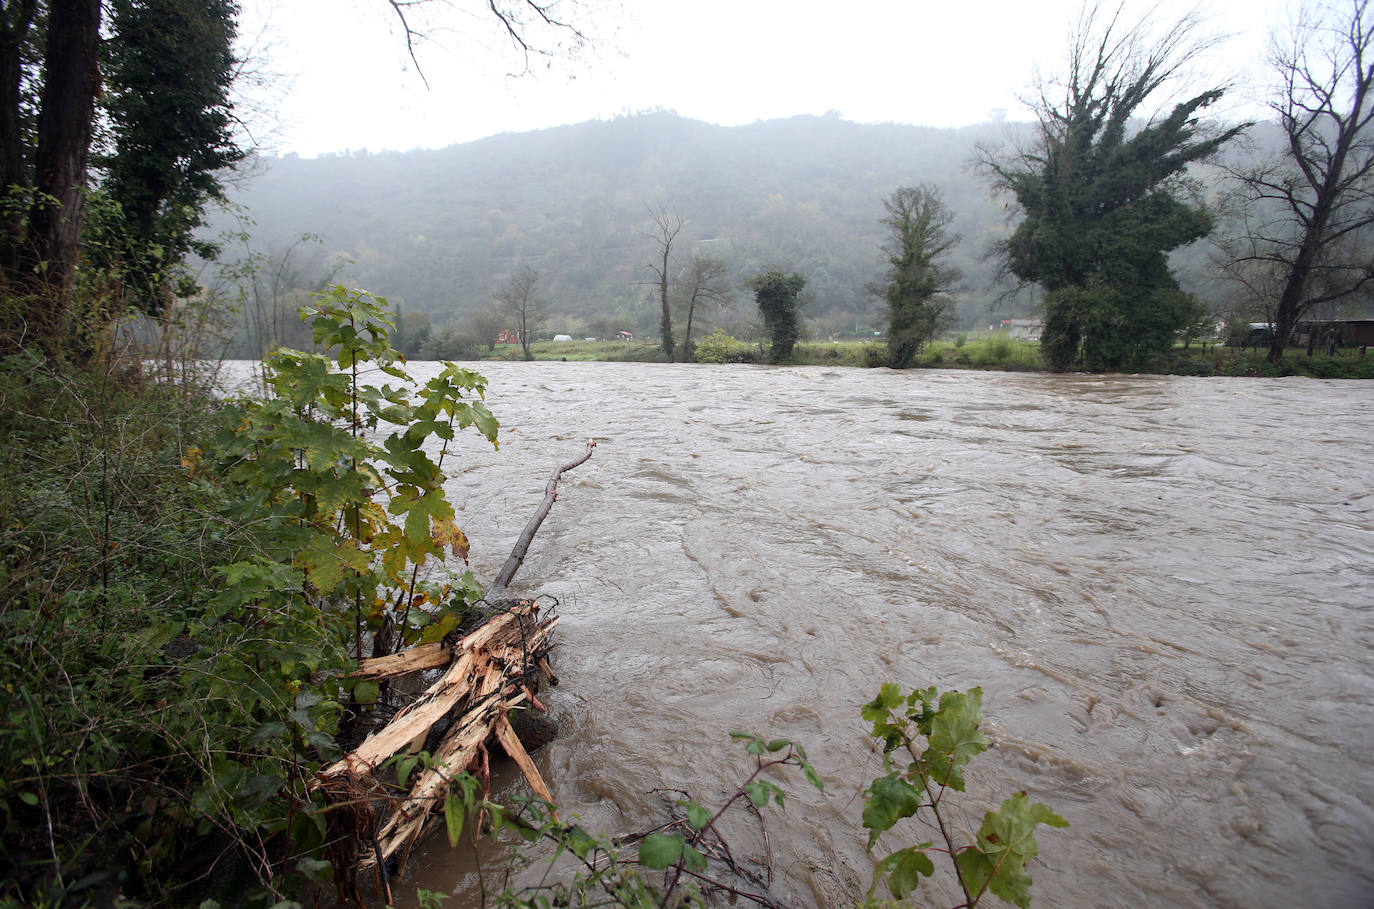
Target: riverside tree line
[[1104, 193]]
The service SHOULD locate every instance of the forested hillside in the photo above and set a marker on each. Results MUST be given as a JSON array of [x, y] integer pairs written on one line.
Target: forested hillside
[[438, 231]]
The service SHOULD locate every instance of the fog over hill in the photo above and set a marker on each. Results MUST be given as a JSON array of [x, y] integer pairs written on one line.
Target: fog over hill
[[437, 231]]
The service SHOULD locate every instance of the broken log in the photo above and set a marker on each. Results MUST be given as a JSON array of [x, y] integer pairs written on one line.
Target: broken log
[[522, 545], [487, 677]]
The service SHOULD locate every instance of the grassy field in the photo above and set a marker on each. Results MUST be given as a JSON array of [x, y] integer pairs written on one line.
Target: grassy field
[[639, 351], [984, 351]]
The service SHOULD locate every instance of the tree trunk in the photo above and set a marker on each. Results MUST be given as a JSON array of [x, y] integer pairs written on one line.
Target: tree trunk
[[15, 22], [667, 327], [687, 338], [1290, 301], [71, 65]]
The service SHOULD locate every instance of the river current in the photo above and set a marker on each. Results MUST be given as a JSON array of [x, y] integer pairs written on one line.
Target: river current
[[1164, 586]]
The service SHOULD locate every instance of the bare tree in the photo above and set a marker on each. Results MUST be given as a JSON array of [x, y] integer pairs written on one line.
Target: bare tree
[[664, 229], [1307, 214], [485, 324], [534, 29], [518, 300], [703, 282]]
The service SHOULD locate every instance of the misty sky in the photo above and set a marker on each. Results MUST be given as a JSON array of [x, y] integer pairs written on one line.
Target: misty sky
[[337, 76]]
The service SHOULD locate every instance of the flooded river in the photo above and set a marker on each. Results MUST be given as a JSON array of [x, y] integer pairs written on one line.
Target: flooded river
[[1164, 586]]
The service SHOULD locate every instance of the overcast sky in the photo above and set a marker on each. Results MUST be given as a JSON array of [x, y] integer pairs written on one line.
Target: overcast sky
[[337, 74]]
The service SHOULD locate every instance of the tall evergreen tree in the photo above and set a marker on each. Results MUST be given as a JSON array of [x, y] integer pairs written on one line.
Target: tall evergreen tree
[[917, 280], [1105, 197], [169, 72]]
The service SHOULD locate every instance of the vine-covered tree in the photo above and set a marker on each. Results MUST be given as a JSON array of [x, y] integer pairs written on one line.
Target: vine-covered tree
[[779, 299], [517, 298], [1105, 195], [917, 279], [167, 98], [1308, 213]]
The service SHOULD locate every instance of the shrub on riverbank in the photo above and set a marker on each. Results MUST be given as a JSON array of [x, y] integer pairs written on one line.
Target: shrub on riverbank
[[178, 618], [113, 649], [719, 347]]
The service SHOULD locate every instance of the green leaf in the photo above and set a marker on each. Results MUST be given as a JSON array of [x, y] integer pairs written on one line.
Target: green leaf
[[975, 868], [578, 841], [813, 777], [660, 850], [889, 698], [432, 506], [453, 819], [29, 798], [907, 867], [778, 744], [955, 737], [698, 816], [367, 691], [329, 563], [693, 859], [403, 768], [757, 792], [1007, 837], [256, 790], [437, 630], [268, 732], [307, 830], [318, 871], [890, 798], [486, 422]]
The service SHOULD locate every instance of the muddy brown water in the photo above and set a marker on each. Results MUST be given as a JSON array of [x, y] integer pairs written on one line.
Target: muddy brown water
[[1164, 586]]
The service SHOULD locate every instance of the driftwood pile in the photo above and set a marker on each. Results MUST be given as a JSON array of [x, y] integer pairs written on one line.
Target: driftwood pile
[[489, 672]]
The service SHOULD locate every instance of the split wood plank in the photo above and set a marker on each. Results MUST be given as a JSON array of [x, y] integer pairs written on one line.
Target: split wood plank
[[413, 659]]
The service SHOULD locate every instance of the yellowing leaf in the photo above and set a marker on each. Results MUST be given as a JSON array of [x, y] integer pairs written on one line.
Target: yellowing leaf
[[190, 461], [445, 533]]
